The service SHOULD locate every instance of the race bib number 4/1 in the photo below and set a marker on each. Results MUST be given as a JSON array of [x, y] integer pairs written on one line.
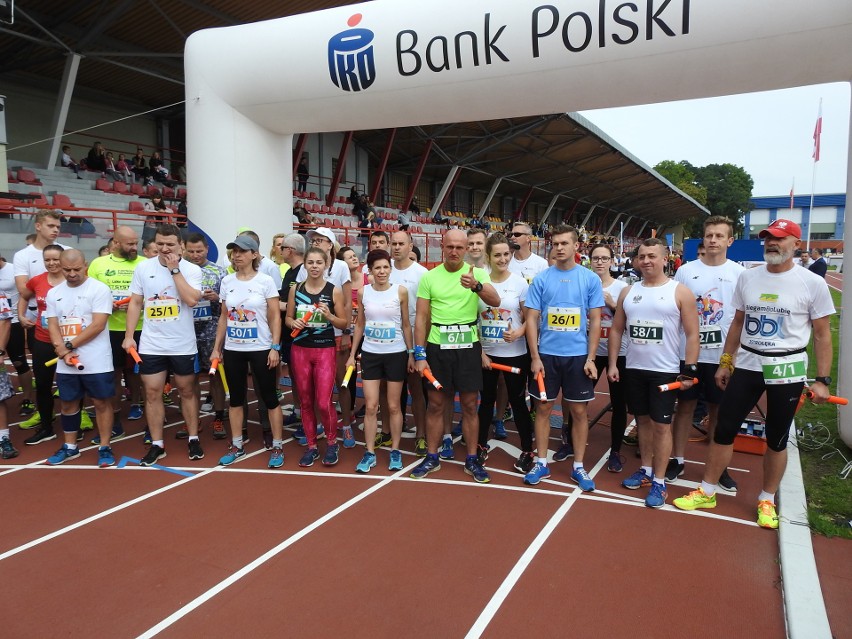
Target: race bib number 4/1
[[783, 370], [379, 332], [202, 312], [563, 319], [162, 310], [453, 337], [492, 331], [710, 336], [242, 332], [646, 331]]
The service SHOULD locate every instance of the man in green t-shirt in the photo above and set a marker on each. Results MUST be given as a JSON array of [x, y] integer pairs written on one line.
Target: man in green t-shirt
[[447, 305], [116, 270]]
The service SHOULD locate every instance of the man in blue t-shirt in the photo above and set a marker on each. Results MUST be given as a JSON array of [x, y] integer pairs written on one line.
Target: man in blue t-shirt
[[563, 317]]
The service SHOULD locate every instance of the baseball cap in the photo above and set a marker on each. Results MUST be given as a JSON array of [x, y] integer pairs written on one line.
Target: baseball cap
[[782, 228], [324, 232], [245, 243]]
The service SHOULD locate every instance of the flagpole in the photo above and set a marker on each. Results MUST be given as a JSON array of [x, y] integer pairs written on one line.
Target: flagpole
[[817, 136]]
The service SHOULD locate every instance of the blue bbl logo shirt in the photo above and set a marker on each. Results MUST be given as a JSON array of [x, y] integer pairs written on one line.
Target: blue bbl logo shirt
[[351, 64]]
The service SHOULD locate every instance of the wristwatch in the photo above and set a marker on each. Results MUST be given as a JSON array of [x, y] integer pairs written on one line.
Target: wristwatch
[[477, 288], [69, 345], [823, 380], [174, 271], [691, 368], [276, 347]]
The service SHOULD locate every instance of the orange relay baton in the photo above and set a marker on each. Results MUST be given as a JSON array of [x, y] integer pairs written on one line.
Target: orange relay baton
[[542, 391], [431, 379], [506, 369], [673, 386]]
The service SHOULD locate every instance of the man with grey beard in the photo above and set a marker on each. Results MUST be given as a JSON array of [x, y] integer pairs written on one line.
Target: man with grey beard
[[777, 306]]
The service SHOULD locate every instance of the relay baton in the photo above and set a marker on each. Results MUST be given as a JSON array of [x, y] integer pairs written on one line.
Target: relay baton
[[51, 362], [122, 301], [832, 399], [222, 377], [542, 391], [348, 376], [673, 386], [507, 369], [305, 319], [213, 366], [76, 363], [427, 373], [135, 355]]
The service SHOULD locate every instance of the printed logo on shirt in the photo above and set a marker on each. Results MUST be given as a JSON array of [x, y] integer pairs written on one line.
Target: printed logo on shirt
[[636, 299], [768, 297]]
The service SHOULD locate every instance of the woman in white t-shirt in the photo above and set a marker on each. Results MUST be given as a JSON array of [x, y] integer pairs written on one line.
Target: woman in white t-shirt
[[502, 333], [249, 334], [15, 348]]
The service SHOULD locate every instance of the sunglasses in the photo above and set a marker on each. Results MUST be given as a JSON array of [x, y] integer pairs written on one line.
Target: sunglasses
[[517, 234]]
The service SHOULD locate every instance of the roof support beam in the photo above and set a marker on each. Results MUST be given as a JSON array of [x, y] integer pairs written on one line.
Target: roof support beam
[[550, 208], [489, 197], [523, 205], [614, 222], [383, 165], [418, 173], [338, 170], [301, 143], [63, 103], [642, 228], [448, 186], [588, 216]]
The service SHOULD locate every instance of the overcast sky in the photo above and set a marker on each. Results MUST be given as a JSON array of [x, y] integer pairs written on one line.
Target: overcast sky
[[769, 134]]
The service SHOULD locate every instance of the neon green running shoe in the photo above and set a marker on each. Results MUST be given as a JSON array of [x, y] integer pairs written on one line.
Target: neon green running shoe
[[85, 421], [767, 516], [33, 421], [694, 500]]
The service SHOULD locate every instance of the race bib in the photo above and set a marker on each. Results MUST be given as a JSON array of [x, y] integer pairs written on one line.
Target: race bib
[[646, 331], [242, 332], [158, 310], [5, 308], [70, 326], [202, 312], [563, 319], [379, 332], [606, 324], [454, 337], [491, 331], [710, 336], [118, 296], [43, 321], [317, 319], [784, 370]]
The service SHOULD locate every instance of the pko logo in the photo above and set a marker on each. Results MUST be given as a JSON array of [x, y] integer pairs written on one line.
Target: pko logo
[[351, 64]]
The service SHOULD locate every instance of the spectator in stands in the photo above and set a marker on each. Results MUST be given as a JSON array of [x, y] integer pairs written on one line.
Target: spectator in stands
[[139, 166], [75, 225], [413, 207], [819, 265], [302, 217], [360, 208], [180, 172], [159, 172], [152, 219], [366, 225], [302, 173], [68, 161], [123, 167], [404, 220], [353, 195], [112, 171], [96, 159]]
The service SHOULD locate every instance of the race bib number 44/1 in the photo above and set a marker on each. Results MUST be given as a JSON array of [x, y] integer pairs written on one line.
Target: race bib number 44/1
[[646, 331], [563, 319], [492, 331], [452, 337], [166, 310]]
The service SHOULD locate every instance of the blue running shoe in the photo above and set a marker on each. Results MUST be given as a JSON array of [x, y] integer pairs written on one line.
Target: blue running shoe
[[298, 432], [475, 470], [539, 471], [331, 456], [429, 465], [303, 439], [276, 459], [308, 459], [367, 462], [580, 477], [637, 480], [146, 438], [446, 451], [117, 433], [656, 496], [63, 455], [395, 460], [615, 463], [291, 422], [565, 451], [348, 437], [500, 430], [105, 457], [135, 412], [457, 431], [232, 455]]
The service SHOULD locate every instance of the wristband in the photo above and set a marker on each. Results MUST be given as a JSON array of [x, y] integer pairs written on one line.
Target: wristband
[[410, 351], [727, 361], [420, 353]]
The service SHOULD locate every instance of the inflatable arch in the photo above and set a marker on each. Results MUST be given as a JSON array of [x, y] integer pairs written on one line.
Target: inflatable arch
[[393, 63]]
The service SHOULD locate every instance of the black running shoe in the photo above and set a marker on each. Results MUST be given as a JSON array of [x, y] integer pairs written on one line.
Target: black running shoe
[[727, 482], [674, 470], [195, 451], [41, 435], [154, 454]]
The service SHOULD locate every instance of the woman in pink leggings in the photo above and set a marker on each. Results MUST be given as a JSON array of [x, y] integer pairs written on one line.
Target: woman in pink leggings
[[311, 310]]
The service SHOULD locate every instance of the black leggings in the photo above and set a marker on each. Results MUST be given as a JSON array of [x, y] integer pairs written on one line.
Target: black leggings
[[236, 371], [15, 348], [617, 398], [516, 386], [42, 352]]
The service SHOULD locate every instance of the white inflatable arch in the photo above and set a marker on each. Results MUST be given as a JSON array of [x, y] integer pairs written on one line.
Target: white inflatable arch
[[393, 63]]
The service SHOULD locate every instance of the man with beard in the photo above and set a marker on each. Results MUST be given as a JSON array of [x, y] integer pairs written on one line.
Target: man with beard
[[777, 308], [116, 270]]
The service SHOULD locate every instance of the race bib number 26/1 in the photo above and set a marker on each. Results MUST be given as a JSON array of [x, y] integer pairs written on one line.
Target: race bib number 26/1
[[563, 319]]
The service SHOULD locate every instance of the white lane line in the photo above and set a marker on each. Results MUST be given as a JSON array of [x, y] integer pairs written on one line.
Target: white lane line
[[270, 554], [525, 560]]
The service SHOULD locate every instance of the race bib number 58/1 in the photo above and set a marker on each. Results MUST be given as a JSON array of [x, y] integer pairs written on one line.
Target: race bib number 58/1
[[646, 331]]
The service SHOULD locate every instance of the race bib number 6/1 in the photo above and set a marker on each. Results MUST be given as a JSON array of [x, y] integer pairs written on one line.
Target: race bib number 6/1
[[563, 319], [453, 337], [646, 331]]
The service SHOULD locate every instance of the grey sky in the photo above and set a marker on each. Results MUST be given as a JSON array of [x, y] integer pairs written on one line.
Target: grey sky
[[769, 134]]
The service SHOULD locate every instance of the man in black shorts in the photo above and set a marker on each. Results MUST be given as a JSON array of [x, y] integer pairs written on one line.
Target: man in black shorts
[[447, 303]]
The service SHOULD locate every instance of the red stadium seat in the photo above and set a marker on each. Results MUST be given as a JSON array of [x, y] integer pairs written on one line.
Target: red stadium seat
[[136, 205], [28, 177], [11, 175], [62, 201], [121, 187], [104, 185], [39, 199], [153, 190], [181, 193], [168, 192], [137, 189]]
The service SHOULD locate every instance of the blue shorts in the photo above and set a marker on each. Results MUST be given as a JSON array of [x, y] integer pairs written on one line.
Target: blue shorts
[[176, 364], [73, 387], [565, 373]]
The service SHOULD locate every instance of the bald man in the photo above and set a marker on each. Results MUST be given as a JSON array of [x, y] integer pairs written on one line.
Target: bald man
[[116, 270]]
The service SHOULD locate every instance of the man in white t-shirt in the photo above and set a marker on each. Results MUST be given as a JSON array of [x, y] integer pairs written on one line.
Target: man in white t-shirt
[[524, 262], [712, 279], [476, 248], [166, 288], [777, 306], [379, 241], [77, 314], [29, 261]]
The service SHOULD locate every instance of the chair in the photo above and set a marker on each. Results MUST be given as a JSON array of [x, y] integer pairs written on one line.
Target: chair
[[312, 196], [122, 188], [62, 201], [136, 206], [102, 184], [168, 193], [181, 193], [28, 177], [11, 176], [137, 189], [153, 190]]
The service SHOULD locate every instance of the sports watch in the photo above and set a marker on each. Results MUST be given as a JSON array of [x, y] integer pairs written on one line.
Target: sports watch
[[174, 271], [69, 345], [823, 380], [276, 347]]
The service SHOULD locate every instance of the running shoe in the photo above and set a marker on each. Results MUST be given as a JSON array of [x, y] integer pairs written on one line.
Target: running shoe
[[674, 469], [637, 480], [207, 403], [383, 439], [457, 430], [429, 465], [167, 397], [507, 415], [117, 433], [727, 482], [146, 437], [195, 450], [308, 459], [232, 455], [473, 468], [33, 421], [395, 460], [367, 462], [580, 477], [27, 408], [105, 457], [767, 516], [446, 451], [182, 433], [481, 455], [565, 451], [298, 432], [656, 496], [420, 447], [154, 454], [694, 500], [332, 455], [7, 451], [63, 455], [276, 459], [219, 431], [539, 471], [500, 430], [86, 421], [348, 437], [41, 435], [361, 411], [615, 462], [135, 412], [303, 440], [524, 463], [291, 421], [630, 440]]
